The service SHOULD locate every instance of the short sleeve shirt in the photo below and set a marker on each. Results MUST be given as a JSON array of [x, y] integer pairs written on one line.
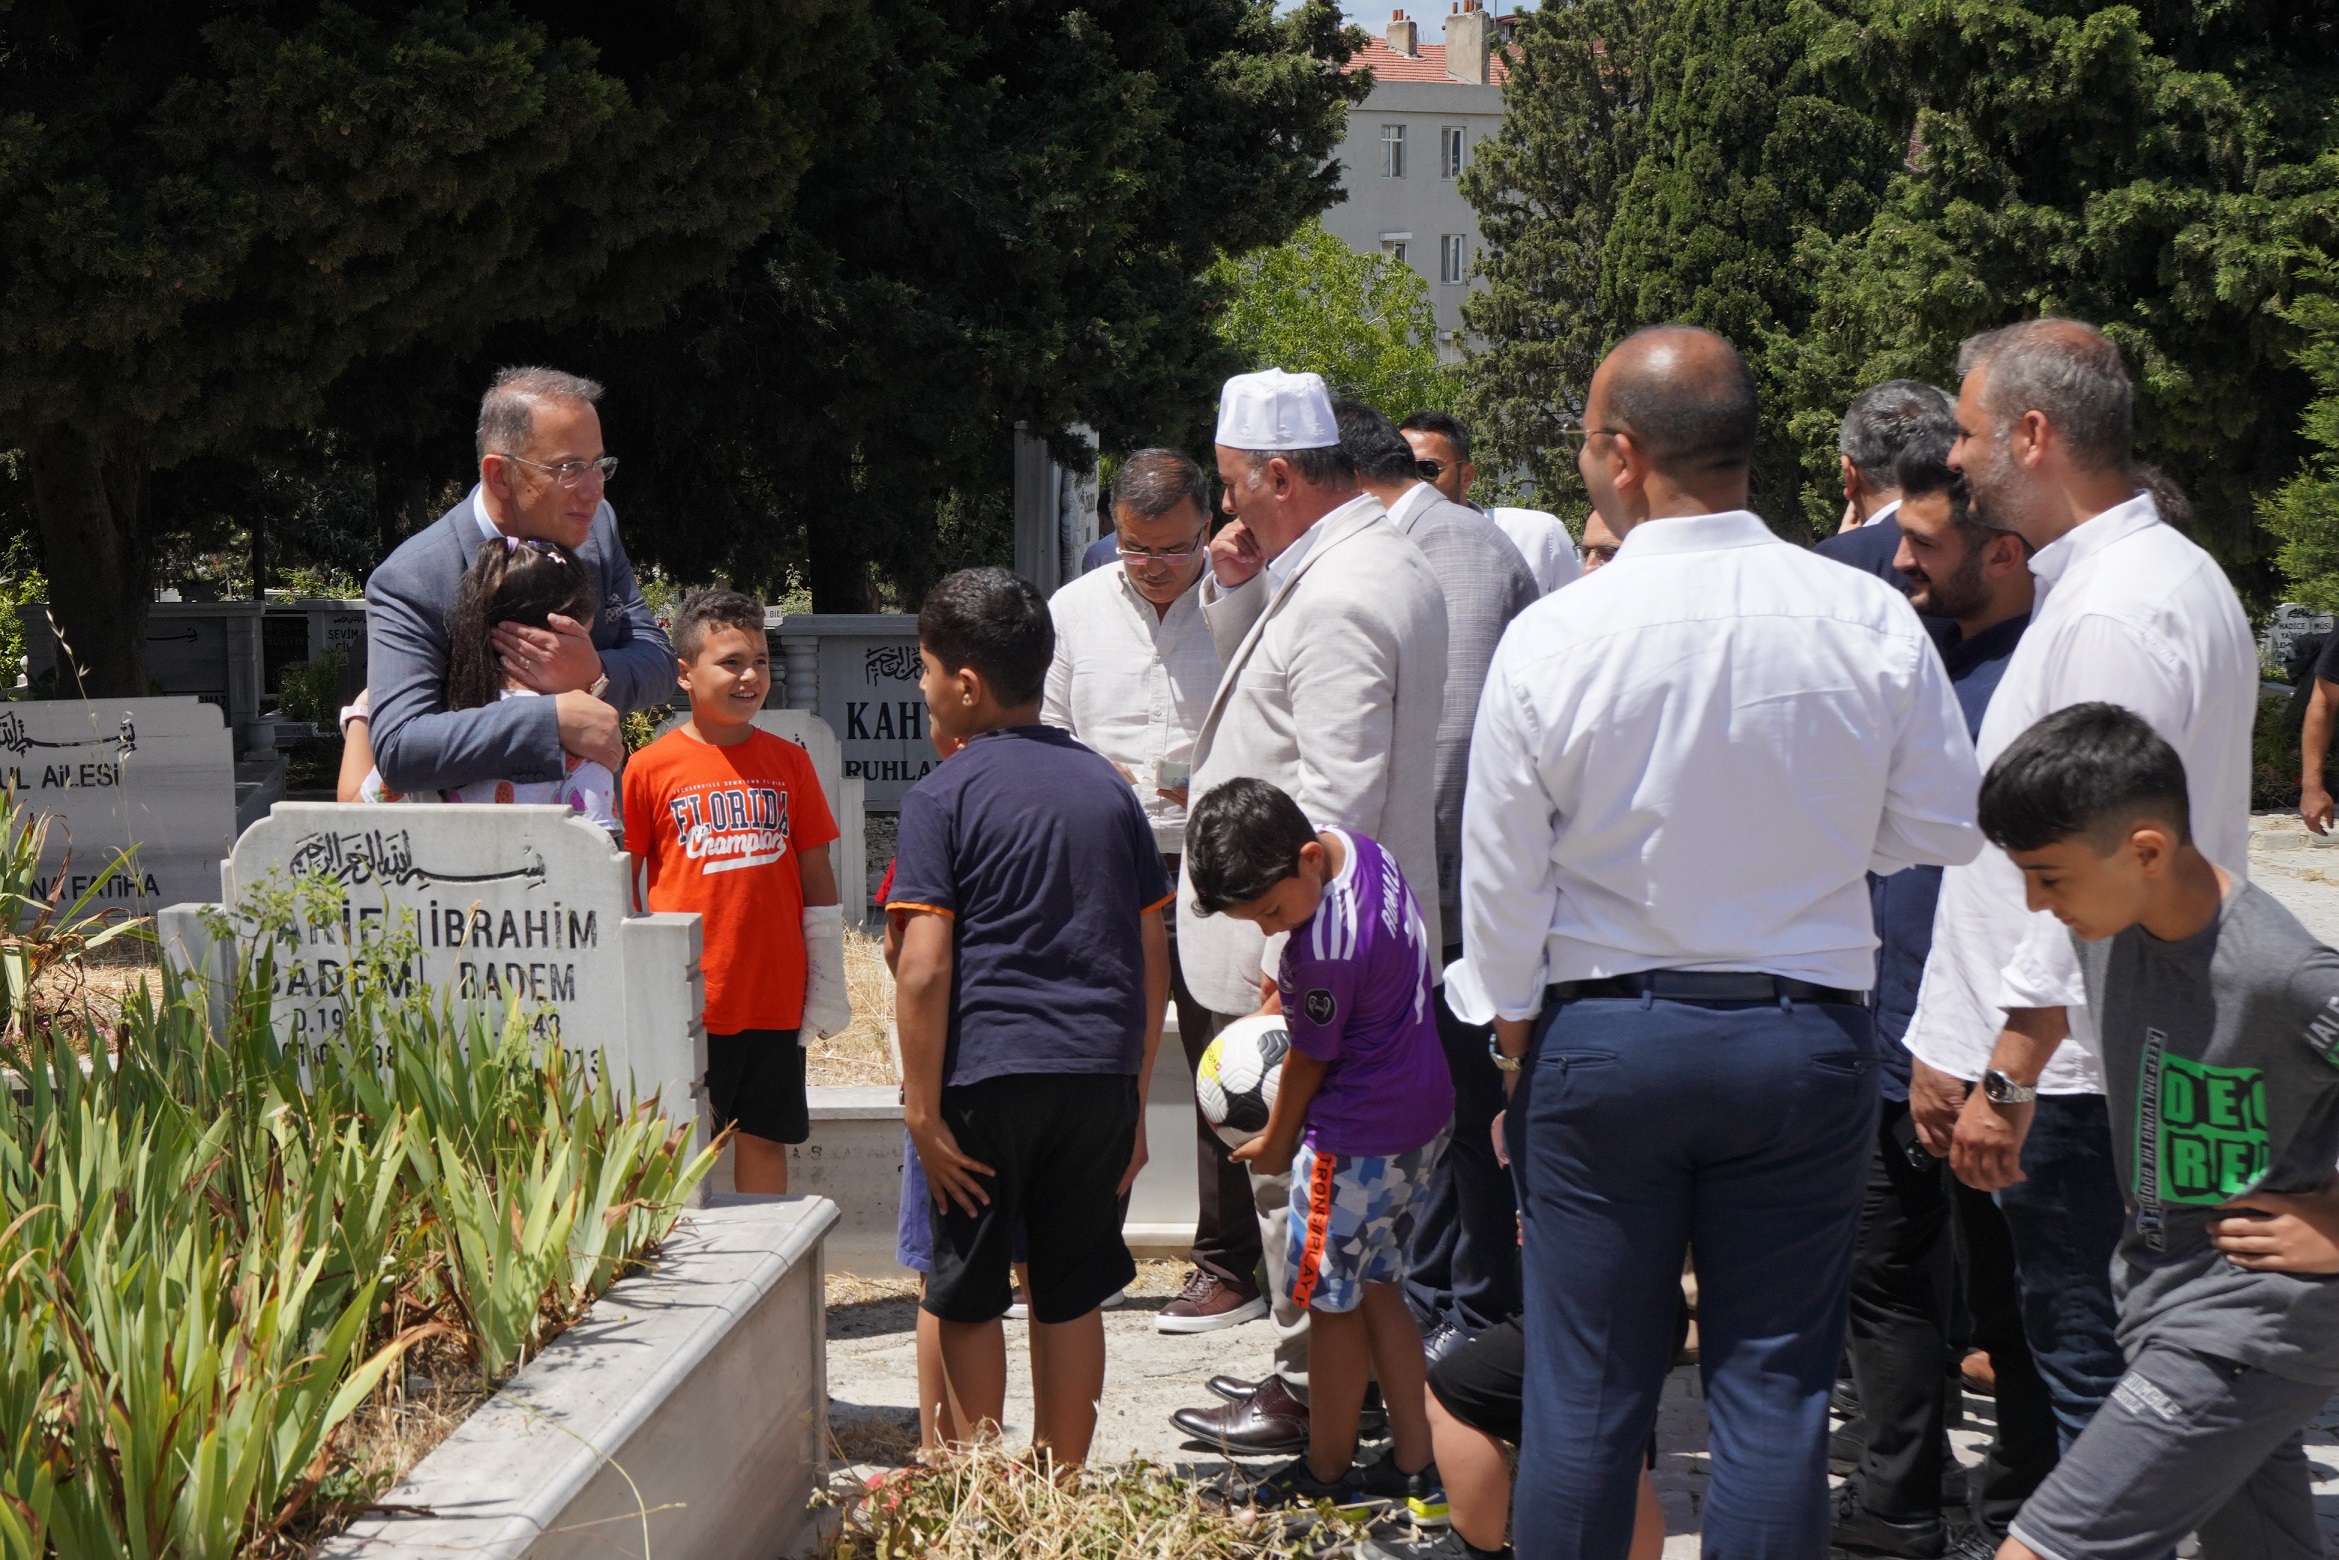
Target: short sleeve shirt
[[1036, 850], [1355, 984], [718, 830]]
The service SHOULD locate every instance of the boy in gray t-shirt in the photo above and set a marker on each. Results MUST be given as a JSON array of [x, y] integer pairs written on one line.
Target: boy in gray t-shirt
[[2218, 1019]]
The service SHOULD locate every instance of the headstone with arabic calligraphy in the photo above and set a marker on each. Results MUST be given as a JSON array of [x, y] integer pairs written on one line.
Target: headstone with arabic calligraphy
[[510, 908], [151, 777], [859, 672]]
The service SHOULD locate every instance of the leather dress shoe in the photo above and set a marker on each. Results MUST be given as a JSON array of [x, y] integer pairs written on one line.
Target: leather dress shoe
[[1441, 1340], [1267, 1422], [1232, 1388]]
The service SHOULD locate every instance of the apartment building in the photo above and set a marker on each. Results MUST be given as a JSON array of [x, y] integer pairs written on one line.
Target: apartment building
[[1407, 144]]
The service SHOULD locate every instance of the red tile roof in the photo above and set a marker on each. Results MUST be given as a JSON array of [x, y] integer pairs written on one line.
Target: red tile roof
[[1387, 64]]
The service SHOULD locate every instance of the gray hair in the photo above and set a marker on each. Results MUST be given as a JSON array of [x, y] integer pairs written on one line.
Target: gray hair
[[1153, 483], [1899, 421], [1328, 466], [507, 413], [2067, 371]]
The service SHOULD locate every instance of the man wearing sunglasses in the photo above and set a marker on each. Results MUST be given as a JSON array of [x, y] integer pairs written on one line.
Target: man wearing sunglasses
[[1132, 677], [542, 471]]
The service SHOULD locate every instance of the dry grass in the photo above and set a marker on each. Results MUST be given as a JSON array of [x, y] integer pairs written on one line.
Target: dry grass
[[393, 1431], [985, 1504], [861, 1055]]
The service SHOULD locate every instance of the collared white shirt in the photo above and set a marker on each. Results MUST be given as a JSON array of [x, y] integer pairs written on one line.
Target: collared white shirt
[[1692, 758], [487, 527], [1543, 540], [2132, 613], [1132, 684], [1881, 515], [1280, 567]]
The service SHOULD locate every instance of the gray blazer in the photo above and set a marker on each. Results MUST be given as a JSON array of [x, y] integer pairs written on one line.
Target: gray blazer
[[1486, 584], [1333, 689], [419, 744]]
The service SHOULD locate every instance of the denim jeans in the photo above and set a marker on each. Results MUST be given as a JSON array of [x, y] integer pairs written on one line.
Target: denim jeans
[[1641, 1128], [2065, 1219]]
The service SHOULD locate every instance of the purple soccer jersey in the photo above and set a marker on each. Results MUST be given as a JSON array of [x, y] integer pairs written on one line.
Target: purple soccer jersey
[[1355, 983]]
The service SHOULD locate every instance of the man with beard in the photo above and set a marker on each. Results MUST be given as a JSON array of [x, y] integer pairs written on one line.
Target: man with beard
[[2132, 613], [1973, 583]]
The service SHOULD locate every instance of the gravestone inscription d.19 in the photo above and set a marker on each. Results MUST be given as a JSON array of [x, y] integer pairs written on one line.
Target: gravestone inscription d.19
[[156, 775], [508, 907]]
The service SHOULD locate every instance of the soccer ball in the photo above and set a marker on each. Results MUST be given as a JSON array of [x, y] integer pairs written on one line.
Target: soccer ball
[[1236, 1081]]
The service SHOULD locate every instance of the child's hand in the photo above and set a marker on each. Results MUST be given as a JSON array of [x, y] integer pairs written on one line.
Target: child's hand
[[950, 1174], [2301, 1234], [1262, 1157]]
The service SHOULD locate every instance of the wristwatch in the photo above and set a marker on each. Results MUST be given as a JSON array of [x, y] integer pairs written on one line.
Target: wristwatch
[[1502, 1059], [1999, 1089]]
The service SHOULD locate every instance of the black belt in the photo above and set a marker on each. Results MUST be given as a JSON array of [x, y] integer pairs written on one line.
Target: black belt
[[1703, 986]]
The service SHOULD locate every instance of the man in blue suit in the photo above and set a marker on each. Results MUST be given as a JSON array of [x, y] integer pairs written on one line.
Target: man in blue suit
[[1899, 417], [542, 470]]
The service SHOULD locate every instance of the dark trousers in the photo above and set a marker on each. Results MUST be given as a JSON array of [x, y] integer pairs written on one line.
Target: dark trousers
[[1899, 1321], [2025, 1448], [2065, 1218], [1226, 1236], [1638, 1129], [1463, 1268]]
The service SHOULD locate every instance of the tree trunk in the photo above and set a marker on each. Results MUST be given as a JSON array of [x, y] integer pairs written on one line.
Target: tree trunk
[[89, 497]]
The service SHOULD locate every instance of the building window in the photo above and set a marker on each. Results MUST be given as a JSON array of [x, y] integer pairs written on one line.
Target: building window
[[1449, 151], [1394, 248], [1453, 255], [1392, 151]]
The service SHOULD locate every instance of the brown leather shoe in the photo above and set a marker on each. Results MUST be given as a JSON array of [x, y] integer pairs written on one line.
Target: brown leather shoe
[[1208, 1303], [1268, 1422], [1233, 1388]]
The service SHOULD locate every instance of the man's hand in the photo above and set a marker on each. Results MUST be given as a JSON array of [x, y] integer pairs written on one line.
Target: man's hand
[[1986, 1151], [950, 1174], [590, 729], [2314, 807], [1137, 1157], [1935, 1098], [558, 658], [1176, 793], [1265, 1158], [2299, 1234], [1513, 1035], [1235, 557]]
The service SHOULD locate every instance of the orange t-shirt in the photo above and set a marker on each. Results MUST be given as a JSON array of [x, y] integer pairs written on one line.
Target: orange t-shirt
[[719, 828]]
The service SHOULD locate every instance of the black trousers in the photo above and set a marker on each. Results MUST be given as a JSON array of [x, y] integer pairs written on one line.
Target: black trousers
[[1463, 1267], [1919, 1227], [1226, 1233]]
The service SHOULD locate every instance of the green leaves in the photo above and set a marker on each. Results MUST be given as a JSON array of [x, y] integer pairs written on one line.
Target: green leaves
[[1313, 305], [209, 1261]]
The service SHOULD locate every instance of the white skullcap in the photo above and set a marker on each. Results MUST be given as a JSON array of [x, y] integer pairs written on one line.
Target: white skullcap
[[1273, 410]]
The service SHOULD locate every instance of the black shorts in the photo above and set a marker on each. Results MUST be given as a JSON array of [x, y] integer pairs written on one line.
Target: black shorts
[[1057, 1144], [755, 1082], [1483, 1383]]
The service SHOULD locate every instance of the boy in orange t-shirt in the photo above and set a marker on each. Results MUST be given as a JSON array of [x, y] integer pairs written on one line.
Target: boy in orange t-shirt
[[728, 820]]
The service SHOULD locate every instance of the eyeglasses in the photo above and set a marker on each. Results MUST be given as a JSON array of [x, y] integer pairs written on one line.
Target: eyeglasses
[[1575, 435], [1140, 557], [571, 473], [1430, 470]]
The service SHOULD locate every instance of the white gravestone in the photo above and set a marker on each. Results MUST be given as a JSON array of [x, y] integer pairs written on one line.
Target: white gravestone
[[859, 673], [510, 905], [155, 774]]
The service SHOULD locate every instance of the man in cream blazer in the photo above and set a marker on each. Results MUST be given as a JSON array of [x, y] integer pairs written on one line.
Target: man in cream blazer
[[1332, 631]]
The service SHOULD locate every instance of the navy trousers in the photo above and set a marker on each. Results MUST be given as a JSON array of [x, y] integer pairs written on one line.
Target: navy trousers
[[1464, 1265], [1641, 1129], [2066, 1216]]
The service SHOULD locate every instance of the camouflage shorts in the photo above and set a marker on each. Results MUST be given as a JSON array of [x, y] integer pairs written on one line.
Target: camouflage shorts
[[1351, 1221]]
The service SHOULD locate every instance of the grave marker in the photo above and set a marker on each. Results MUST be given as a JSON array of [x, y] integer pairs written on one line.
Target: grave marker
[[509, 904], [158, 774], [859, 672]]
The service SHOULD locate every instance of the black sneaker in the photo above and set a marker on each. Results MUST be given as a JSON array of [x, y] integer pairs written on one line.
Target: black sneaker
[[1294, 1485], [1856, 1527], [1972, 1541], [1422, 1495]]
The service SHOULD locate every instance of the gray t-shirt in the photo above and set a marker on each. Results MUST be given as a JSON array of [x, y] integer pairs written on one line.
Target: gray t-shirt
[[2221, 1067]]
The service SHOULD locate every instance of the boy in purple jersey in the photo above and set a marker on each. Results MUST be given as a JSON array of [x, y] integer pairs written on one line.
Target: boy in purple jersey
[[1360, 1116]]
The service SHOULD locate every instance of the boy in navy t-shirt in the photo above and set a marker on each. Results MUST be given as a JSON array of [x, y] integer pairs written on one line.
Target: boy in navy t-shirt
[[1033, 972], [1360, 1116]]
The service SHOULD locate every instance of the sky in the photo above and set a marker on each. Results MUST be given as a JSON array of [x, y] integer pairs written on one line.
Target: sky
[[1429, 15]]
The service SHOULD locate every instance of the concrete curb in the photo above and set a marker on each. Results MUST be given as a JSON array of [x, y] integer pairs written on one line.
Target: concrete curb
[[685, 1415]]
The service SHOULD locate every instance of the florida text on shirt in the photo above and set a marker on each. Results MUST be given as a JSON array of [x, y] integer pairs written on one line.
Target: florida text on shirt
[[726, 827]]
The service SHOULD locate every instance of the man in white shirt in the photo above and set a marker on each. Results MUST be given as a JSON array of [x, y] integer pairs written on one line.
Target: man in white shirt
[[1332, 632], [1684, 768], [1441, 444], [2132, 613], [1132, 678]]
